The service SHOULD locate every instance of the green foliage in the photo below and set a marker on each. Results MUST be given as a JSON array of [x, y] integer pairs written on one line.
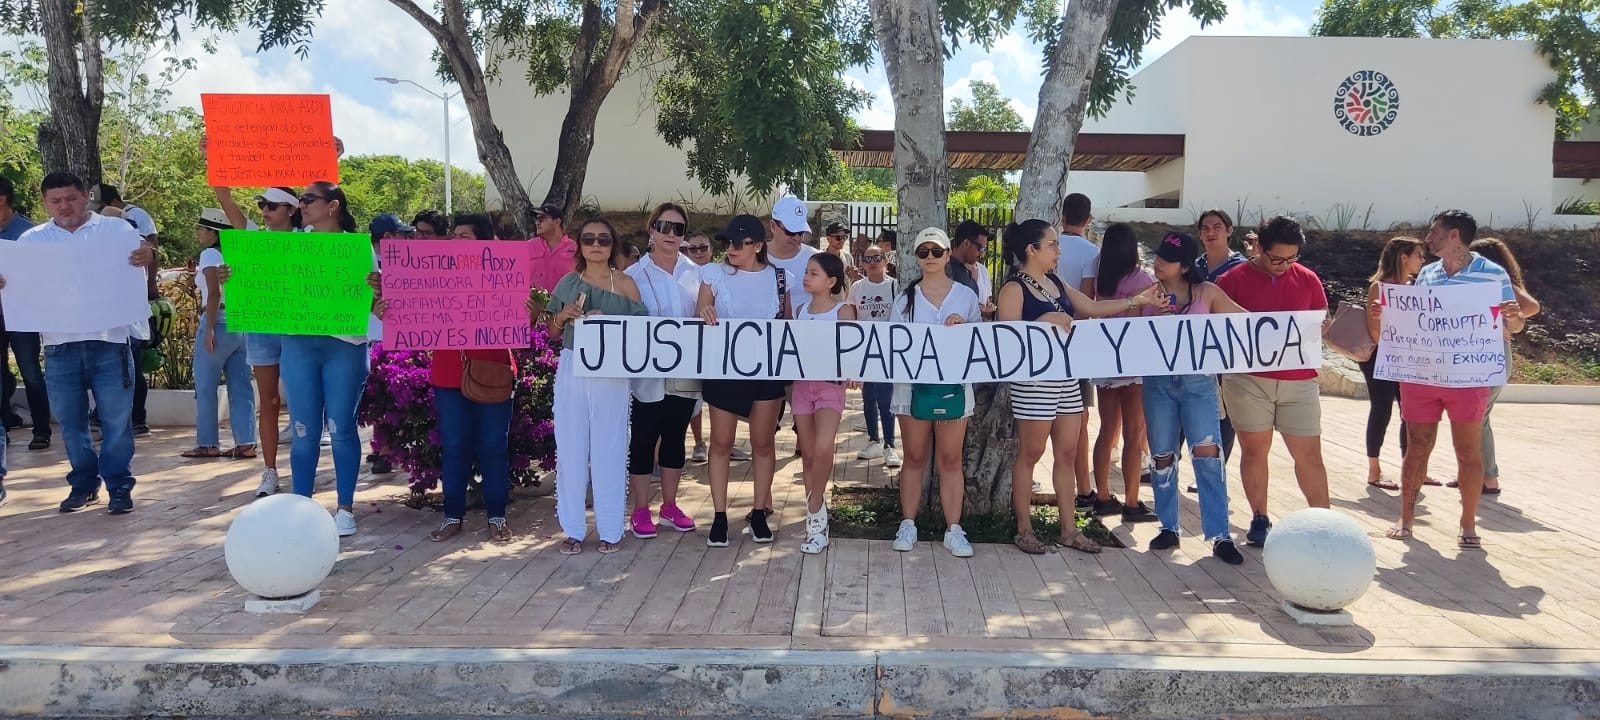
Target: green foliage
[[855, 185], [987, 111], [379, 184], [1578, 206], [757, 89], [1566, 32], [983, 191]]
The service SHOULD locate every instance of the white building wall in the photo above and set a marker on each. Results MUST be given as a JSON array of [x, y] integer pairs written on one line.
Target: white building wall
[[1262, 135]]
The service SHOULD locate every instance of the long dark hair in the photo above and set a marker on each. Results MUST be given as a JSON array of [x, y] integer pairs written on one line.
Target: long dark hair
[[612, 261], [331, 191], [1119, 258], [832, 266], [1496, 251], [1389, 258], [1019, 236]]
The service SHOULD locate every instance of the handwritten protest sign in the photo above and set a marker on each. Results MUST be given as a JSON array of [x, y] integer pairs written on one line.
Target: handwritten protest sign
[[1442, 335], [298, 283], [969, 353], [262, 140], [78, 286], [455, 294]]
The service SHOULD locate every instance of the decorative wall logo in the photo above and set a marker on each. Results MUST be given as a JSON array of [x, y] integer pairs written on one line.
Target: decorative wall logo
[[1367, 103]]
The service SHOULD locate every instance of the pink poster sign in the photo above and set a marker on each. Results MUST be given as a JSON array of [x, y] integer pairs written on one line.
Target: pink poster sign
[[455, 294]]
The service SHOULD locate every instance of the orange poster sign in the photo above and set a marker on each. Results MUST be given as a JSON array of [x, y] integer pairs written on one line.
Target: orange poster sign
[[264, 140]]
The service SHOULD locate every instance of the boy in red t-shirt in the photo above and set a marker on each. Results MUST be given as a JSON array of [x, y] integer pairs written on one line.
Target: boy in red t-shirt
[[1288, 401]]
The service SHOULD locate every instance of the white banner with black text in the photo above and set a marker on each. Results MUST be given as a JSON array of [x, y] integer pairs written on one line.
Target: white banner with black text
[[649, 347]]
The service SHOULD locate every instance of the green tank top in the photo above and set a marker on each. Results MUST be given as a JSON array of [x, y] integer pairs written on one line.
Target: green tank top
[[605, 300]]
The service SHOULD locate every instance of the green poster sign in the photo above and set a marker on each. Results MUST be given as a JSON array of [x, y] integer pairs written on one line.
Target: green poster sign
[[297, 283]]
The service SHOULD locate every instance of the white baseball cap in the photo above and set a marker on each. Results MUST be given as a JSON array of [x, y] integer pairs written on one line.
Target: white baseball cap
[[790, 212], [932, 235]]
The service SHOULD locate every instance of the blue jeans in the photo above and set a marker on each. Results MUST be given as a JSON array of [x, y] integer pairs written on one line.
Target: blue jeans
[[208, 370], [473, 432], [72, 372], [1186, 404], [323, 378], [25, 347], [875, 399]]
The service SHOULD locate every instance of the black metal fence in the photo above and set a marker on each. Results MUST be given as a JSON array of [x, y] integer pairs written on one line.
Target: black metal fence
[[874, 219]]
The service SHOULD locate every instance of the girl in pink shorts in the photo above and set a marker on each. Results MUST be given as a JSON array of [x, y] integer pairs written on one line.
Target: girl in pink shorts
[[818, 404]]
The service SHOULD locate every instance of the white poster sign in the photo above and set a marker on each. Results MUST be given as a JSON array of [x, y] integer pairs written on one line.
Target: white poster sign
[[75, 286], [1442, 335], [643, 347]]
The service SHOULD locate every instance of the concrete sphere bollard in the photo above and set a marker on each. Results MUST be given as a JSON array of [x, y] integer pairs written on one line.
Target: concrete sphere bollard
[[281, 546], [1319, 559]]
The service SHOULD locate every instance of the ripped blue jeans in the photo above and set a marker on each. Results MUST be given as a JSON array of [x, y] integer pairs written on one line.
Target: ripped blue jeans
[[322, 379], [1186, 405]]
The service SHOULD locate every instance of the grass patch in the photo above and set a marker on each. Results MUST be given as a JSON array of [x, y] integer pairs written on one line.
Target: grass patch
[[1555, 369], [874, 514]]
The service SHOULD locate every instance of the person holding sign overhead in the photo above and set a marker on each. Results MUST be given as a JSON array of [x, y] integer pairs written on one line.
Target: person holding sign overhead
[[591, 413], [323, 376], [98, 363], [745, 285], [933, 414], [1423, 406]]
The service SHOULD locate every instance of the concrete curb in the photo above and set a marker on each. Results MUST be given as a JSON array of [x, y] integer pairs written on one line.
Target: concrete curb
[[87, 682]]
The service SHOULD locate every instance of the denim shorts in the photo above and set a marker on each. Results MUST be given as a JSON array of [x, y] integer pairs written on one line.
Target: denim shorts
[[262, 349]]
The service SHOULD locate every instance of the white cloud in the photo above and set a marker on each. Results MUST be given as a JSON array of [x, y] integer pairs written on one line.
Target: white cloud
[[1245, 17]]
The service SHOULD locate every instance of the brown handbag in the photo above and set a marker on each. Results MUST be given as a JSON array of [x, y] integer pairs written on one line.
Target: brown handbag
[[1348, 333], [486, 382]]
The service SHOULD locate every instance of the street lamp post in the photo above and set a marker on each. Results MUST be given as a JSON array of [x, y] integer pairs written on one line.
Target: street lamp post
[[449, 200]]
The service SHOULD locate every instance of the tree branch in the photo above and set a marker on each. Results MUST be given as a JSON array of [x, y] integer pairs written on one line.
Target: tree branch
[[423, 18]]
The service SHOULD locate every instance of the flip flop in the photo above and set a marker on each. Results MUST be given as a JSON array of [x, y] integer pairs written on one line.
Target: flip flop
[[1398, 533], [1431, 481], [1469, 542], [1383, 484], [202, 452], [1491, 491]]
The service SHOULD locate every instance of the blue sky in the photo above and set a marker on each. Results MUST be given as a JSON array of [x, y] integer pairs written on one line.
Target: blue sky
[[358, 40]]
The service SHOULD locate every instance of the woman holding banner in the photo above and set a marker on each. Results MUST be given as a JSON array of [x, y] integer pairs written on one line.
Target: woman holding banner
[[743, 286], [591, 413], [1047, 410], [323, 376], [933, 414], [1186, 406]]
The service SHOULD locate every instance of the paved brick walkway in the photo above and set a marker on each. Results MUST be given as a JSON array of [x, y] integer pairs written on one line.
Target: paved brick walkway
[[156, 578]]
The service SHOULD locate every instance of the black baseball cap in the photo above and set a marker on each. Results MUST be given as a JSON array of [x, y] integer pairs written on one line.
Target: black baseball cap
[[838, 227], [552, 210], [743, 227], [1180, 248]]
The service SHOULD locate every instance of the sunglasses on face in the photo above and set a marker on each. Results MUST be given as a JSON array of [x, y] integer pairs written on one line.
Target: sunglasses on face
[[311, 199], [670, 228], [264, 206], [871, 258], [600, 239], [785, 231], [697, 248], [738, 243], [926, 252]]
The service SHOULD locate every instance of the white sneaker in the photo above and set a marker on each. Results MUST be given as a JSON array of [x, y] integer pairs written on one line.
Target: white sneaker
[[816, 532], [700, 453], [738, 454], [891, 458], [345, 522], [955, 540], [906, 537], [872, 451], [269, 483], [1038, 487]]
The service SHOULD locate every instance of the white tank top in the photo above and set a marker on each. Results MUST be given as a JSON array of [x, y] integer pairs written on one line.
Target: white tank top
[[805, 313]]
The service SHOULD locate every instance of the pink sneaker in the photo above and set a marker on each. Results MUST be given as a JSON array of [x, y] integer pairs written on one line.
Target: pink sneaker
[[643, 527], [680, 522]]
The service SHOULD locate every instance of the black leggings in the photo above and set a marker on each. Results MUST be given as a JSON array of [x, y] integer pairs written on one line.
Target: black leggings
[[1382, 397], [666, 421]]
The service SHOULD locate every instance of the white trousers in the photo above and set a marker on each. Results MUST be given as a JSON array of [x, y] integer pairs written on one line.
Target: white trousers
[[591, 419]]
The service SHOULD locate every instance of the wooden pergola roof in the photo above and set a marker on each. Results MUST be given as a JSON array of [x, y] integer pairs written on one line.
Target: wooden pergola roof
[[1005, 150], [1576, 159]]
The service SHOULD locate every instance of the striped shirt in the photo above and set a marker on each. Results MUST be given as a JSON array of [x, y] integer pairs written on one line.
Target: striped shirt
[[1478, 270]]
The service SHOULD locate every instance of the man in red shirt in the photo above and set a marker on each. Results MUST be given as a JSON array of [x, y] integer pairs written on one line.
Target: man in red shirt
[[551, 252], [1288, 401]]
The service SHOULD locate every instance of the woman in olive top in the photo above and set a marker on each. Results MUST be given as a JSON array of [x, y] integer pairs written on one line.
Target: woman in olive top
[[591, 413]]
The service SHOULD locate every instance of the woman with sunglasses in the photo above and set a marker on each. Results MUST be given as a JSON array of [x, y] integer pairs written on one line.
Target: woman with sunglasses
[[934, 299], [591, 413], [743, 286], [1047, 410], [662, 408], [323, 377]]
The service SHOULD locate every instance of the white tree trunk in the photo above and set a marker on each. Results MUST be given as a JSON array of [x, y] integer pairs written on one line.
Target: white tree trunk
[[912, 44], [1063, 99]]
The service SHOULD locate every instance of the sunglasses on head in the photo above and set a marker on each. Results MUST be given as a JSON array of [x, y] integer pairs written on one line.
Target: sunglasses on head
[[670, 228], [601, 239], [926, 252], [264, 205], [697, 248]]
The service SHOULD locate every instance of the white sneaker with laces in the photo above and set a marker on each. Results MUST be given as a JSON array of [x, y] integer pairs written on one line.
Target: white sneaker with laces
[[738, 454], [955, 540], [700, 453], [872, 451], [345, 522], [891, 457], [906, 537], [269, 483]]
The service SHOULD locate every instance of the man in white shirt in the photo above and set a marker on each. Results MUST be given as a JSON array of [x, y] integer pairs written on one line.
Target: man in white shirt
[[788, 249], [107, 196], [98, 363], [1078, 266]]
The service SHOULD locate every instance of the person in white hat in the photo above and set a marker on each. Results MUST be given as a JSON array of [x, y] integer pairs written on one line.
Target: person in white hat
[[218, 352]]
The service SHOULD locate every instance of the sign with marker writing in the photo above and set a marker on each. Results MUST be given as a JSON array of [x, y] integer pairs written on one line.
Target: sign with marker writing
[[265, 140], [292, 283], [968, 353], [455, 294], [1442, 335]]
